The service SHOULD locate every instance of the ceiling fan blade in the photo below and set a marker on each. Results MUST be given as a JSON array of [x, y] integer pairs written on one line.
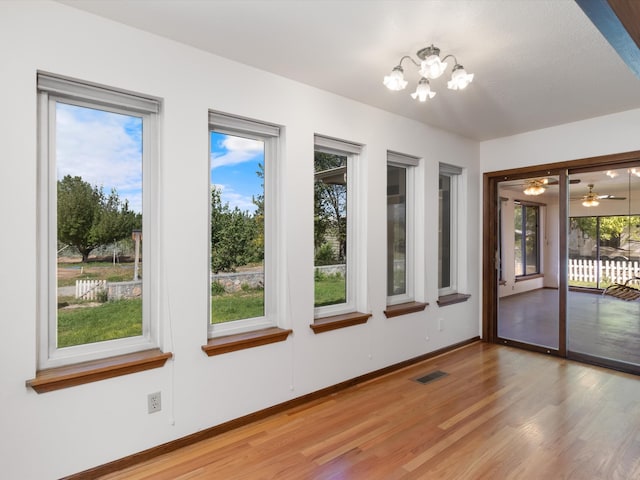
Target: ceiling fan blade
[[611, 197], [573, 181]]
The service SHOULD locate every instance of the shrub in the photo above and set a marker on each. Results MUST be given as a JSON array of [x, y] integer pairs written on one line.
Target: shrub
[[319, 276], [325, 255], [102, 296], [217, 288]]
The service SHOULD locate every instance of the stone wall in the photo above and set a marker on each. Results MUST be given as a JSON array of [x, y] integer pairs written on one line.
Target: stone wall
[[124, 290], [332, 269], [233, 282]]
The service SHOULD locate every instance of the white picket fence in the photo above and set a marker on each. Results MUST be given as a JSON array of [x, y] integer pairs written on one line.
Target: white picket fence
[[90, 289], [611, 271]]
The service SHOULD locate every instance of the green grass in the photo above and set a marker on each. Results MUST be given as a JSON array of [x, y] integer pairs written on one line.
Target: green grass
[[329, 290], [249, 303], [226, 307], [111, 320], [123, 318]]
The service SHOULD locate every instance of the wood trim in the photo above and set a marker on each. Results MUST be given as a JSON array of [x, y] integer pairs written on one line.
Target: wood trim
[[528, 346], [241, 341], [619, 365], [607, 161], [173, 445], [445, 300], [335, 322], [563, 259], [628, 13], [96, 370], [489, 267], [404, 308]]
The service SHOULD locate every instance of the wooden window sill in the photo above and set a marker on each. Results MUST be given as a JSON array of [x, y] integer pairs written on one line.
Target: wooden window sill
[[335, 322], [241, 341], [404, 308], [524, 278], [445, 300], [96, 370]]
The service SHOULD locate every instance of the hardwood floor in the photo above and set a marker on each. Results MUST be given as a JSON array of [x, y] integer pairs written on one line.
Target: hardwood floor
[[600, 326], [500, 413]]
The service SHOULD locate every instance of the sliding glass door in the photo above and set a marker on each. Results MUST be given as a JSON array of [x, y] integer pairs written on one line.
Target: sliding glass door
[[529, 246], [603, 312]]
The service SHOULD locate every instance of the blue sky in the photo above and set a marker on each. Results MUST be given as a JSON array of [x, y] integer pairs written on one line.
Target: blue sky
[[103, 148], [234, 163]]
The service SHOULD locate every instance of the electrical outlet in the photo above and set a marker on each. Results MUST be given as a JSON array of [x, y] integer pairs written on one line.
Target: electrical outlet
[[154, 402]]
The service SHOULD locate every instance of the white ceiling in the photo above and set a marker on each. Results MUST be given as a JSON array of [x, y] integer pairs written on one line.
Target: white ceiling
[[537, 63]]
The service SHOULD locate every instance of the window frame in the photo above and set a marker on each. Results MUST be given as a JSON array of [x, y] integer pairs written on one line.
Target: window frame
[[51, 90], [355, 217], [455, 175], [271, 136], [524, 206], [409, 164]]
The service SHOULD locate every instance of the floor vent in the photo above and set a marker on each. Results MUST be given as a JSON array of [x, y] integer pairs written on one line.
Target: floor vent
[[431, 377]]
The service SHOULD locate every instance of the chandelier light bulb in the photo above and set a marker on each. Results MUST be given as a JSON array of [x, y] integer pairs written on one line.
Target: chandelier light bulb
[[423, 91], [459, 78], [590, 199], [395, 80], [534, 190], [432, 67]]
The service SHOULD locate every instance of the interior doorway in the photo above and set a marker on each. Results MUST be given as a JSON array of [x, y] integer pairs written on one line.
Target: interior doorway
[[549, 258]]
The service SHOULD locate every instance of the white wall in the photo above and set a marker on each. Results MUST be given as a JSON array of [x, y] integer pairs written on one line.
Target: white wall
[[66, 431], [604, 135]]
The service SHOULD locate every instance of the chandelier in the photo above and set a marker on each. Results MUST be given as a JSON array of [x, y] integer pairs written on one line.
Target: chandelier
[[431, 66]]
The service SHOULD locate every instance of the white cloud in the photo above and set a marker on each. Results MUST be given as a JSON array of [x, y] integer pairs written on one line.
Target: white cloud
[[235, 199], [102, 148], [238, 150]]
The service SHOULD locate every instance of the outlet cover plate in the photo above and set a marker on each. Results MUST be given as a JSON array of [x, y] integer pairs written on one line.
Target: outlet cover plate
[[154, 402]]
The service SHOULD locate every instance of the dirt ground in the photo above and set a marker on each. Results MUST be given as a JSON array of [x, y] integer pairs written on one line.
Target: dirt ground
[[72, 267]]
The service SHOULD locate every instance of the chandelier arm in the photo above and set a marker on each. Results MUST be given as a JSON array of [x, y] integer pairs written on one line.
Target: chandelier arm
[[412, 61], [450, 55]]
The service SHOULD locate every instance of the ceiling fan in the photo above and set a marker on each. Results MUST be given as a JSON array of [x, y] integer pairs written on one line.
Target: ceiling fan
[[592, 199], [537, 186]]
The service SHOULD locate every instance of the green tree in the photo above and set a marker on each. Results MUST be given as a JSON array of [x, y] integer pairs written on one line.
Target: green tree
[[233, 236], [88, 219], [330, 202], [612, 228], [258, 216]]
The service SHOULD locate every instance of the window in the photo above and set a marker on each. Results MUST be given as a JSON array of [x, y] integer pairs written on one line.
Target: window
[[400, 228], [448, 222], [596, 243], [336, 259], [98, 262], [243, 199], [526, 244]]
